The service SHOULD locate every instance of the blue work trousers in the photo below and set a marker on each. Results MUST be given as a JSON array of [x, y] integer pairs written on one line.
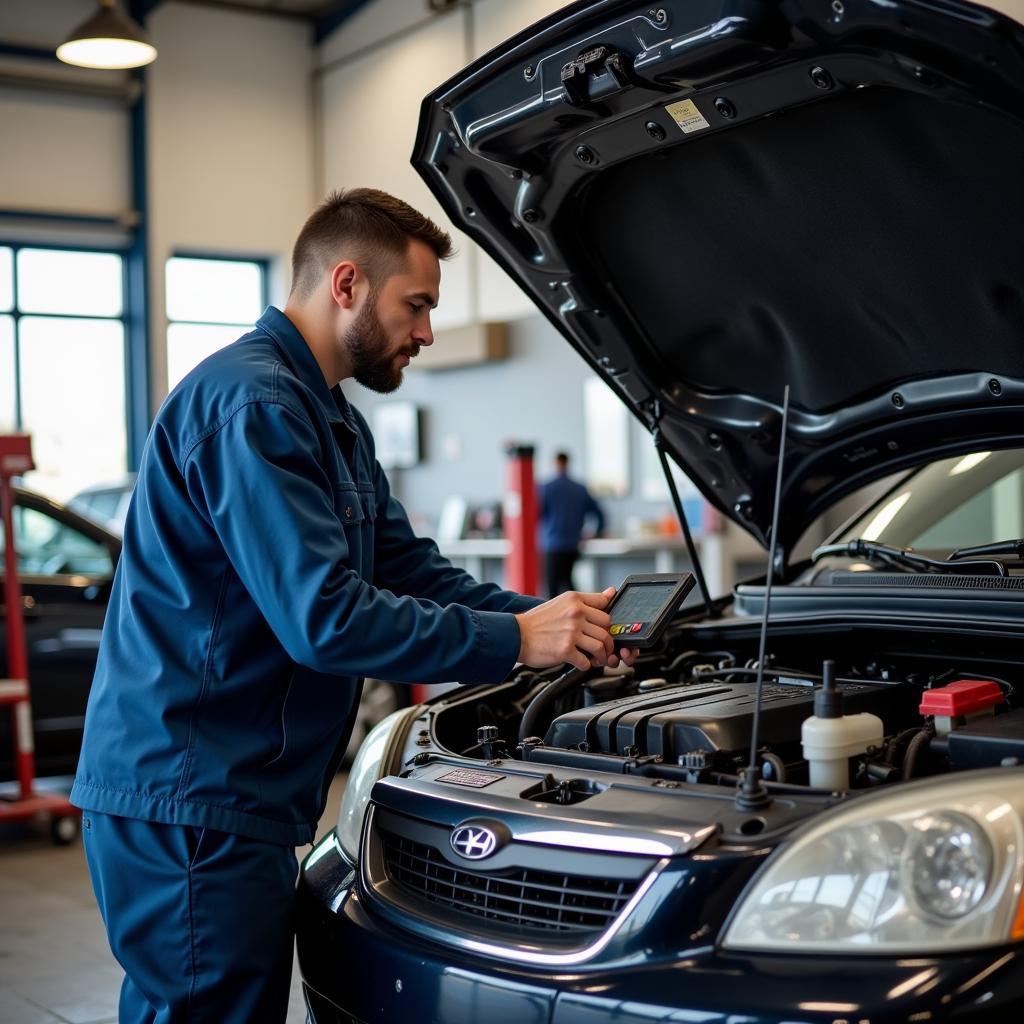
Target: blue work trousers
[[201, 921]]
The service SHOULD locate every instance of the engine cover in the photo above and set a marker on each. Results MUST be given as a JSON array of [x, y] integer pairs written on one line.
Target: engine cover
[[709, 716]]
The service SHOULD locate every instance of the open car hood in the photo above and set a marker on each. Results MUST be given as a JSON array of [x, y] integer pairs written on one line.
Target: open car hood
[[713, 198]]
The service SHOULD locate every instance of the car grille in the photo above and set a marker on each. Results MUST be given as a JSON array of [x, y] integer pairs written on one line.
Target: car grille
[[522, 898]]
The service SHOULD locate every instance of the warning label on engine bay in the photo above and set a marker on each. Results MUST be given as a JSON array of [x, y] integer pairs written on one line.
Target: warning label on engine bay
[[467, 777], [687, 116]]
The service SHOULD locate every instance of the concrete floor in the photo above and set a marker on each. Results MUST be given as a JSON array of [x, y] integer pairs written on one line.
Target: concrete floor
[[55, 965]]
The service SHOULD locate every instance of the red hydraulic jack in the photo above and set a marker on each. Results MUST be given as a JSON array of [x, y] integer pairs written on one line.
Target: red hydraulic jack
[[15, 459]]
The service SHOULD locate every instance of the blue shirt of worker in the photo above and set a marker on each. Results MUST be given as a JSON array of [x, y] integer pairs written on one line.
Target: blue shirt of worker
[[564, 507], [266, 569]]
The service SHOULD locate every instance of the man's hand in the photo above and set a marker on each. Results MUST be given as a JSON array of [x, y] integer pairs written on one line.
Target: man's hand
[[570, 628]]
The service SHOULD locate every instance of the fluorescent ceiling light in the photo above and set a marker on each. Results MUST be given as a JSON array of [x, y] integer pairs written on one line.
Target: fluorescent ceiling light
[[109, 39], [885, 515], [969, 462]]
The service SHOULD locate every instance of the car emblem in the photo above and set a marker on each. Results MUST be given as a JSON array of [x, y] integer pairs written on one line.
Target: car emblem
[[474, 842]]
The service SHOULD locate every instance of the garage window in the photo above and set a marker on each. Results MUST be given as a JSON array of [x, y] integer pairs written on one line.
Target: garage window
[[210, 303], [62, 362]]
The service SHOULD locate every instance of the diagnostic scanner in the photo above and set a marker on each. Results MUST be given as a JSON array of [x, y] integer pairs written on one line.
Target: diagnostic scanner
[[644, 605]]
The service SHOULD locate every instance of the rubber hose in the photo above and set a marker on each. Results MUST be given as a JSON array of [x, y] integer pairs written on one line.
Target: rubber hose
[[547, 697], [922, 739]]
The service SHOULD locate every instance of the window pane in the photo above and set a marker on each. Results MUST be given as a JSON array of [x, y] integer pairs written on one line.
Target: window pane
[[100, 505], [214, 291], [189, 344], [6, 279], [73, 402], [53, 281], [7, 423], [48, 547]]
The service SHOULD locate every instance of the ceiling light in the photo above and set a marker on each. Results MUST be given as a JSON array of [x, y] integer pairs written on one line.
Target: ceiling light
[[884, 516], [968, 462], [109, 39]]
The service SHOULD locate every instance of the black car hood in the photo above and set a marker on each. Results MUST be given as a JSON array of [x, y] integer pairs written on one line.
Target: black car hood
[[713, 198]]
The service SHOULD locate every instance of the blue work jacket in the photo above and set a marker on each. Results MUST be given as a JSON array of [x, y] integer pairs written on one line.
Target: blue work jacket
[[266, 569]]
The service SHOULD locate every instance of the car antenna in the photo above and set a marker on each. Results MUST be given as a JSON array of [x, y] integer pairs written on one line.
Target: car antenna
[[691, 549], [751, 794]]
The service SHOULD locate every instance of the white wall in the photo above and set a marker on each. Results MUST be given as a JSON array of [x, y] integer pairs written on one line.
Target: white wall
[[230, 144], [369, 108], [71, 153], [230, 139], [57, 150], [372, 76]]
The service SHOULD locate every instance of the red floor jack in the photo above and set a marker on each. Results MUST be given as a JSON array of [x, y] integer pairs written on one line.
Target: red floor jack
[[15, 459]]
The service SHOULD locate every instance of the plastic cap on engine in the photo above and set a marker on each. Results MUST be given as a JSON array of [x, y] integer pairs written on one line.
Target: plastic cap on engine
[[964, 697], [828, 701]]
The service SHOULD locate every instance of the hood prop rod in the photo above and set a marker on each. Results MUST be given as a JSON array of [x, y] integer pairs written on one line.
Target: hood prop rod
[[691, 548], [752, 795]]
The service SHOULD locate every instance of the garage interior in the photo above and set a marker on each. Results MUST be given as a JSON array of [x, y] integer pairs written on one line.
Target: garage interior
[[146, 220]]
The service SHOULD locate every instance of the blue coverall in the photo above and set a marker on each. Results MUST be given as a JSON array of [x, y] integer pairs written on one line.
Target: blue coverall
[[266, 568]]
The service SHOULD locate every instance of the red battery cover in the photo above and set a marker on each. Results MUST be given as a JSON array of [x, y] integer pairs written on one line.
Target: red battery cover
[[964, 697]]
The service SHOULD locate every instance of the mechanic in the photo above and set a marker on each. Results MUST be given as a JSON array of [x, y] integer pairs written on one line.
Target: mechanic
[[267, 568], [565, 506]]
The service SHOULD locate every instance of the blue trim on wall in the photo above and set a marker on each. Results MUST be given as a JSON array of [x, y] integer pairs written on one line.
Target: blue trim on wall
[[138, 350], [50, 216], [17, 344], [141, 9], [32, 52], [334, 17]]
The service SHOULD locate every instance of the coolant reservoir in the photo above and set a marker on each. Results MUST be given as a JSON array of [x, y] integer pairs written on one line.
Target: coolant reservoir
[[831, 738]]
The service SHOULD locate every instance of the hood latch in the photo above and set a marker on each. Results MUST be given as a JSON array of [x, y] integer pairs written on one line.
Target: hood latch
[[595, 74]]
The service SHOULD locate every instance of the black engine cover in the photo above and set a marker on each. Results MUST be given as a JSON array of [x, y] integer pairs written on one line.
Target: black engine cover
[[708, 716]]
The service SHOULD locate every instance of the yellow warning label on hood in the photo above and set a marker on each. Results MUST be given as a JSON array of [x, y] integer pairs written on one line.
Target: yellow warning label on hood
[[687, 116]]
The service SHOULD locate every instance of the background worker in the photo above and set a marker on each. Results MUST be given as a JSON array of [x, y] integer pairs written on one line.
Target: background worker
[[565, 506], [266, 568]]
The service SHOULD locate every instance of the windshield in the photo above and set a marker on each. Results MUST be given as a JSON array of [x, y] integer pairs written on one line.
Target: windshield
[[955, 503]]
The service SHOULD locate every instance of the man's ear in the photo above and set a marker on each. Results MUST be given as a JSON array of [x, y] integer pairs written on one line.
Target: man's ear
[[344, 278]]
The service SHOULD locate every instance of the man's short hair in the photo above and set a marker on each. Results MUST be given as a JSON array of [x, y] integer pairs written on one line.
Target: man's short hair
[[563, 458], [367, 226]]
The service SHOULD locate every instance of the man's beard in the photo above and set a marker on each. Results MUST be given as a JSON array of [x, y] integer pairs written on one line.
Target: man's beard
[[373, 361]]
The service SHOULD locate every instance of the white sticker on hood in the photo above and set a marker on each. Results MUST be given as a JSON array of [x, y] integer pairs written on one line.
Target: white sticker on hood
[[687, 116]]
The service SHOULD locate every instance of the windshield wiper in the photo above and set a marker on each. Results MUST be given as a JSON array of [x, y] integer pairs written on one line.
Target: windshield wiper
[[909, 559], [1000, 547]]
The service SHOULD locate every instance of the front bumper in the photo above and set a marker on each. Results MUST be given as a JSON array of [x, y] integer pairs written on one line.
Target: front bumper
[[357, 966]]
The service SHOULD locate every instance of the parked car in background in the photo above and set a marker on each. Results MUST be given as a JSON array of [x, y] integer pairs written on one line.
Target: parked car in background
[[712, 200], [106, 504], [66, 560], [66, 568]]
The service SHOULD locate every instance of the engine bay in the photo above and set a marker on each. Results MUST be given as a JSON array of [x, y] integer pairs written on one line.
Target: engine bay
[[930, 701]]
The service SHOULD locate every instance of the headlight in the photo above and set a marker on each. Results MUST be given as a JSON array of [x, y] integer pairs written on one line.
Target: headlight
[[373, 760], [935, 866]]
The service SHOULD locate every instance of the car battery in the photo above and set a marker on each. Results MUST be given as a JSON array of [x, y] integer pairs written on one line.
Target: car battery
[[988, 742]]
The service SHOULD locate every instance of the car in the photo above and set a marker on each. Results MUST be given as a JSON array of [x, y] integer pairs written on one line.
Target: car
[[67, 560], [66, 568], [106, 503], [711, 201]]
